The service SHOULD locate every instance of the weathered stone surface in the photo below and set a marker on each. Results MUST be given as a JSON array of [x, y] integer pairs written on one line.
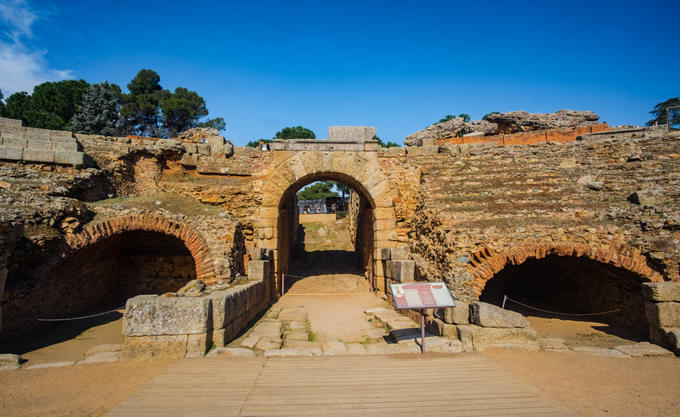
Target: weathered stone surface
[[51, 365], [488, 315], [460, 314], [104, 348], [11, 153], [661, 291], [483, 338], [195, 134], [673, 339], [293, 314], [9, 367], [156, 347], [401, 270], [598, 351], [647, 198], [232, 352], [147, 315], [221, 166], [446, 129], [193, 288], [9, 359], [665, 314], [356, 349], [643, 349], [259, 270], [293, 352], [334, 348], [69, 158], [351, 133], [38, 155], [552, 343], [189, 160], [250, 341], [521, 121], [442, 345], [198, 344], [101, 357], [297, 335], [267, 343]]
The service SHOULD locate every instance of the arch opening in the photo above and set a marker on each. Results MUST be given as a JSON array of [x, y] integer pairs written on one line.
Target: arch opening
[[575, 286], [328, 240], [97, 278]]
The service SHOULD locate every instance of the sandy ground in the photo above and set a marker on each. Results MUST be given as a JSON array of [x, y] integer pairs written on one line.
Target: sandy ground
[[600, 386], [83, 390]]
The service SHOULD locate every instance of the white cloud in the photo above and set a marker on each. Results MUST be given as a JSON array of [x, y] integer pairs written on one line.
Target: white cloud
[[22, 67]]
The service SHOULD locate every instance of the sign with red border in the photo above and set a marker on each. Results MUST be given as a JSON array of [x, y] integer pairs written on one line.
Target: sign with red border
[[419, 295]]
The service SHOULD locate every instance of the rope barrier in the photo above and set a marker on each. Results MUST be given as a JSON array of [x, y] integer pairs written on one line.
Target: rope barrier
[[117, 310], [505, 297]]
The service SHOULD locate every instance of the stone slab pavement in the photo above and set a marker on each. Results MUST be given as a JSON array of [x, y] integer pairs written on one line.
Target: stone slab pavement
[[399, 385]]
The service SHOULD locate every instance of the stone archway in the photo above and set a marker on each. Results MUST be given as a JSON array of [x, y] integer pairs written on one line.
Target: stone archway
[[360, 170], [193, 241]]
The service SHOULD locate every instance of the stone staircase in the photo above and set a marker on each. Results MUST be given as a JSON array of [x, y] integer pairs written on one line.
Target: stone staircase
[[28, 144]]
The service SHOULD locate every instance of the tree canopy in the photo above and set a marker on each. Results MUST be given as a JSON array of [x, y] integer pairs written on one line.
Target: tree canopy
[[388, 144], [316, 190], [464, 116], [659, 112], [2, 102], [99, 112], [51, 106], [296, 132]]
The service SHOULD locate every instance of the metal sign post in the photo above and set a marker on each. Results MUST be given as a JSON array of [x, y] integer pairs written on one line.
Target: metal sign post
[[420, 296], [283, 284]]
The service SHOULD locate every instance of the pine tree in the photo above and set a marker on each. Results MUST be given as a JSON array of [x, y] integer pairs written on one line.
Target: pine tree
[[99, 112]]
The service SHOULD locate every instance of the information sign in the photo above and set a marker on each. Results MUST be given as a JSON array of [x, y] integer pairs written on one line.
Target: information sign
[[420, 295]]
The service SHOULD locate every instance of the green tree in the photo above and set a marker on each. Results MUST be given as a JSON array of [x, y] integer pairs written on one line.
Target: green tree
[[99, 112], [2, 103], [55, 103], [659, 112], [297, 132], [489, 114], [316, 190], [387, 144], [465, 117], [17, 106], [216, 123], [181, 110], [256, 143], [141, 109]]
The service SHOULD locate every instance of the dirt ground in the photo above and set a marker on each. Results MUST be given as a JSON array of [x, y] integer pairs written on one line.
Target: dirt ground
[[75, 391], [600, 386]]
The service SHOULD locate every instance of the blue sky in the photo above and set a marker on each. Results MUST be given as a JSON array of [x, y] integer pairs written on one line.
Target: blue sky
[[395, 65]]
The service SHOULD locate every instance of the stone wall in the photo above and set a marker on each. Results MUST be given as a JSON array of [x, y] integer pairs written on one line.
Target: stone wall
[[662, 308], [28, 144], [526, 138]]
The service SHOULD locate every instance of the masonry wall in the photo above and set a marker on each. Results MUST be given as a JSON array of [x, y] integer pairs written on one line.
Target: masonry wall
[[528, 138]]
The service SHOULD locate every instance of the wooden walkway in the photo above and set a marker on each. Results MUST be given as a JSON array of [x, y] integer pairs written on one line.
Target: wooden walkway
[[458, 385]]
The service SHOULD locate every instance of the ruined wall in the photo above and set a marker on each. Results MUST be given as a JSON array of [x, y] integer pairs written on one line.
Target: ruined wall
[[528, 138], [482, 206]]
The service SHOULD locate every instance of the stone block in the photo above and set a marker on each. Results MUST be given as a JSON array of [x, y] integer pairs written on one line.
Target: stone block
[[665, 314], [35, 133], [293, 314], [11, 153], [189, 160], [222, 151], [351, 133], [7, 122], [460, 314], [643, 349], [52, 365], [38, 155], [69, 158], [402, 253], [482, 338], [268, 343], [214, 140], [599, 351], [203, 149], [259, 270], [673, 339], [190, 148], [356, 349], [103, 348], [232, 352], [150, 315], [198, 344], [422, 150], [39, 144], [334, 348], [661, 291], [9, 359], [65, 146], [101, 357], [401, 271], [220, 166], [488, 315], [157, 347], [14, 142], [553, 344], [293, 352], [219, 337], [222, 308]]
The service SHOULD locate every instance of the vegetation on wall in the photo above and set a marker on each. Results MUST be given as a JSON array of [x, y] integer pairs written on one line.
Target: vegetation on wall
[[295, 132], [659, 112]]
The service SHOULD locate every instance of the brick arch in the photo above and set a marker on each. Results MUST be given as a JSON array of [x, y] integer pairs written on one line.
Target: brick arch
[[486, 263], [360, 170], [193, 240]]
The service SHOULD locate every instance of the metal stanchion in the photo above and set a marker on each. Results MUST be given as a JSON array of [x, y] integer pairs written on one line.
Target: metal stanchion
[[283, 284], [422, 332]]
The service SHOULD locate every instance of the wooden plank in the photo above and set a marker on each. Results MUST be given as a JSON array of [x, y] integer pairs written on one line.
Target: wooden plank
[[460, 385]]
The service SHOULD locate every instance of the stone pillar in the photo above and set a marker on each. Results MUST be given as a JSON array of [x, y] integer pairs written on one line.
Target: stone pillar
[[662, 308]]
